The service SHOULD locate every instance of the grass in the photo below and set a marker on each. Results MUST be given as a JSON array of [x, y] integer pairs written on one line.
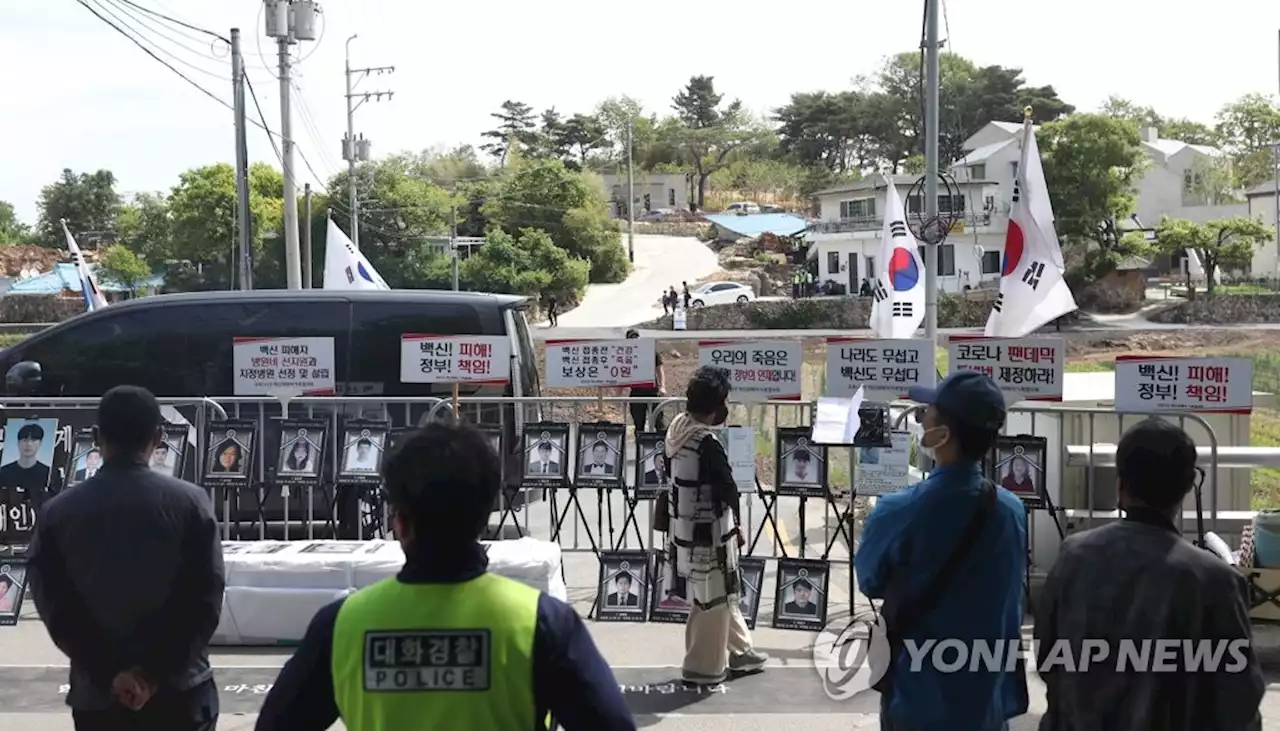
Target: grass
[[9, 339]]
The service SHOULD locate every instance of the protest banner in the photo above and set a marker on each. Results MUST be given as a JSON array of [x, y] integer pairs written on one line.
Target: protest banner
[[760, 370], [454, 359], [1215, 385], [627, 363], [1026, 369], [886, 368], [283, 366]]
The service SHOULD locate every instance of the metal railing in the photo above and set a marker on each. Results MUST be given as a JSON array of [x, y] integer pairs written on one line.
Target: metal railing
[[875, 223]]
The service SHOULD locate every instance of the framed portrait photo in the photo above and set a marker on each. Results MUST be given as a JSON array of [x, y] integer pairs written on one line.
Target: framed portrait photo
[[653, 469], [801, 465], [26, 461], [751, 571], [13, 589], [301, 450], [229, 455], [169, 456], [86, 459], [669, 601], [360, 453], [623, 586], [546, 454], [800, 599], [1018, 465], [601, 456]]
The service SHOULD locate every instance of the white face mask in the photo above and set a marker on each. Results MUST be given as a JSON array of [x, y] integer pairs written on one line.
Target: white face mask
[[932, 451]]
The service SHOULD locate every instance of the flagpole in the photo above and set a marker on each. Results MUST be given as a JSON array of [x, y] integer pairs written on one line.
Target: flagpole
[[931, 74]]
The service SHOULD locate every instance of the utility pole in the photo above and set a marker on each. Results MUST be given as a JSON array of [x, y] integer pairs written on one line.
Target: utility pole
[[931, 73], [306, 237], [631, 197], [453, 242], [289, 22], [357, 149], [244, 229]]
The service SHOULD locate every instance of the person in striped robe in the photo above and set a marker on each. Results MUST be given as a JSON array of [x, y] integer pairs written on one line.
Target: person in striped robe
[[706, 536]]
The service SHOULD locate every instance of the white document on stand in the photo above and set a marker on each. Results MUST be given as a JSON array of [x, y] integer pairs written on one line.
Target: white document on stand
[[836, 419]]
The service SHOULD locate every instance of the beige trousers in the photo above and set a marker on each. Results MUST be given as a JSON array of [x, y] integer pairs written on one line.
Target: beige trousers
[[711, 635]]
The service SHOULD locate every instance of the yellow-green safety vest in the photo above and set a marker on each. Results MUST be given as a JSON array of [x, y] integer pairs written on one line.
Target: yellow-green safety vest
[[436, 656]]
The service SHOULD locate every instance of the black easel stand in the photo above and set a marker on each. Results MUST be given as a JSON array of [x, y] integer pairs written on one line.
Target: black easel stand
[[631, 503], [576, 505], [770, 500], [606, 502], [508, 500], [843, 524]]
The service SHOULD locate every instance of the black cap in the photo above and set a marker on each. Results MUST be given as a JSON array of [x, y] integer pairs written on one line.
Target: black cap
[[967, 397]]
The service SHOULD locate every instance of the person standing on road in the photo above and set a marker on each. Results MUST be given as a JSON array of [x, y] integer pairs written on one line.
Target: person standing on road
[[126, 572], [1138, 579], [553, 315], [706, 535], [687, 296], [640, 410], [445, 644], [948, 556]]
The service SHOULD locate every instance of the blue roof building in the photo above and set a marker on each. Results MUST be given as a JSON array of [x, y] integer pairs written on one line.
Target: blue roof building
[[735, 226], [63, 277]]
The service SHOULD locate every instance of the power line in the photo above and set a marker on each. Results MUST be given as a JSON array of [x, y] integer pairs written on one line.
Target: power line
[[175, 21], [104, 4]]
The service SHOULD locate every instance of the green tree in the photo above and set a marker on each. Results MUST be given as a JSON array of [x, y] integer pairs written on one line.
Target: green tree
[[447, 168], [1181, 129], [1091, 164], [1246, 130], [12, 231], [706, 132], [543, 194], [88, 202], [123, 268], [516, 124], [202, 216], [1224, 243], [528, 263], [580, 137], [143, 224]]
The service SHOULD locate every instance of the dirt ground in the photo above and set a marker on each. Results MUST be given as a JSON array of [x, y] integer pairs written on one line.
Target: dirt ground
[[1085, 352]]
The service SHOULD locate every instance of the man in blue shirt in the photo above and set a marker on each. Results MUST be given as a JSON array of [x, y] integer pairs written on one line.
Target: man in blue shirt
[[905, 543]]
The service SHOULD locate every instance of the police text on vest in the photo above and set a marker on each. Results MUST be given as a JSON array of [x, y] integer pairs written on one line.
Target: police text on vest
[[427, 660]]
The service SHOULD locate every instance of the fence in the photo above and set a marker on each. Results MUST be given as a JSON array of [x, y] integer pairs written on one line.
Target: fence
[[593, 519]]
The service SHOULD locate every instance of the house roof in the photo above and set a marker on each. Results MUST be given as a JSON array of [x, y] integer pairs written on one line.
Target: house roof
[[1169, 148], [64, 277], [1267, 188], [876, 182], [982, 153], [755, 224]]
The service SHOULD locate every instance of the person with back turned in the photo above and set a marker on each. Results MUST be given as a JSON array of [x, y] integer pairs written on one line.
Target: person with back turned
[[948, 556], [1139, 581], [445, 644], [126, 572]]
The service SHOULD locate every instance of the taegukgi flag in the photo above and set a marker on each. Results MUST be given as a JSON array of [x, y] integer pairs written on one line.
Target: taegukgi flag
[[344, 266], [1032, 288], [899, 289], [93, 299]]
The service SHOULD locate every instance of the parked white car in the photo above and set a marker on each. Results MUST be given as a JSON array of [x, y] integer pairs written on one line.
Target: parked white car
[[742, 207], [720, 293]]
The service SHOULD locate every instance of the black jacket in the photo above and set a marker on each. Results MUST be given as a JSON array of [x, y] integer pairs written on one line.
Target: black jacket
[[571, 679], [126, 571]]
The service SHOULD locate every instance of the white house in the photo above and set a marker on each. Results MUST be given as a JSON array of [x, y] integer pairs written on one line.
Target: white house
[[654, 191], [1260, 203], [846, 242]]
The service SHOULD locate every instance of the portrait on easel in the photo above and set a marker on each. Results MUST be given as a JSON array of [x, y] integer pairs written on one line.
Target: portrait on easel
[[1018, 465], [13, 588], [364, 443], [301, 453], [751, 571], [230, 452], [623, 586], [873, 426], [600, 455], [86, 458], [26, 462], [801, 465], [168, 457], [653, 469], [800, 601], [546, 454]]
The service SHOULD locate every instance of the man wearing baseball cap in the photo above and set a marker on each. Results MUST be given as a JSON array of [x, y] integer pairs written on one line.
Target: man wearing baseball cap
[[948, 556]]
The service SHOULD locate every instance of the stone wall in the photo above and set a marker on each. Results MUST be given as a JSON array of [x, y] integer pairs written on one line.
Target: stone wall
[[33, 308], [1223, 309], [673, 228], [818, 313]]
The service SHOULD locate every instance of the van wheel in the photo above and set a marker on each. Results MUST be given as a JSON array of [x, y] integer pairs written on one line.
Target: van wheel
[[742, 299], [697, 303]]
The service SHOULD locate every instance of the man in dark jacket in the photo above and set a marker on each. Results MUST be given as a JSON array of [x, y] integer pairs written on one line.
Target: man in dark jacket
[[126, 571]]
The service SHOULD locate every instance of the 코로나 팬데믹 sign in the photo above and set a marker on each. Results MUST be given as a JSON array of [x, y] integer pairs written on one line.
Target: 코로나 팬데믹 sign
[[759, 370], [1222, 385], [600, 363], [272, 366], [887, 368], [454, 358], [1026, 369]]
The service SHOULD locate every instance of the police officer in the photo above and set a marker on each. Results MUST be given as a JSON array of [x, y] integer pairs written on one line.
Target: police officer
[[445, 644]]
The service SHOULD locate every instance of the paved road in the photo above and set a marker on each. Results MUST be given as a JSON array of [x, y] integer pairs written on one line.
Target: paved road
[[661, 262]]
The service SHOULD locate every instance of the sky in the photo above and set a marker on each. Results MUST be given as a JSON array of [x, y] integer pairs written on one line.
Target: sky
[[81, 96]]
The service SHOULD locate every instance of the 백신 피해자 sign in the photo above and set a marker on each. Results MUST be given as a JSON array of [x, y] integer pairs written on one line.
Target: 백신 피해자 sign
[[758, 370], [1219, 385], [271, 366], [600, 363], [428, 358], [886, 368], [1026, 369]]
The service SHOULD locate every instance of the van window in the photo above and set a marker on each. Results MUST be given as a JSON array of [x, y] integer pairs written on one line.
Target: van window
[[213, 327], [528, 356], [143, 347], [376, 329]]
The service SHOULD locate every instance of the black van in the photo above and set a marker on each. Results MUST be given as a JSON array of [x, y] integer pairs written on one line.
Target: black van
[[180, 345]]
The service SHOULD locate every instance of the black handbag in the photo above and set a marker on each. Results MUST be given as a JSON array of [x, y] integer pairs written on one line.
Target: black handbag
[[902, 613]]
